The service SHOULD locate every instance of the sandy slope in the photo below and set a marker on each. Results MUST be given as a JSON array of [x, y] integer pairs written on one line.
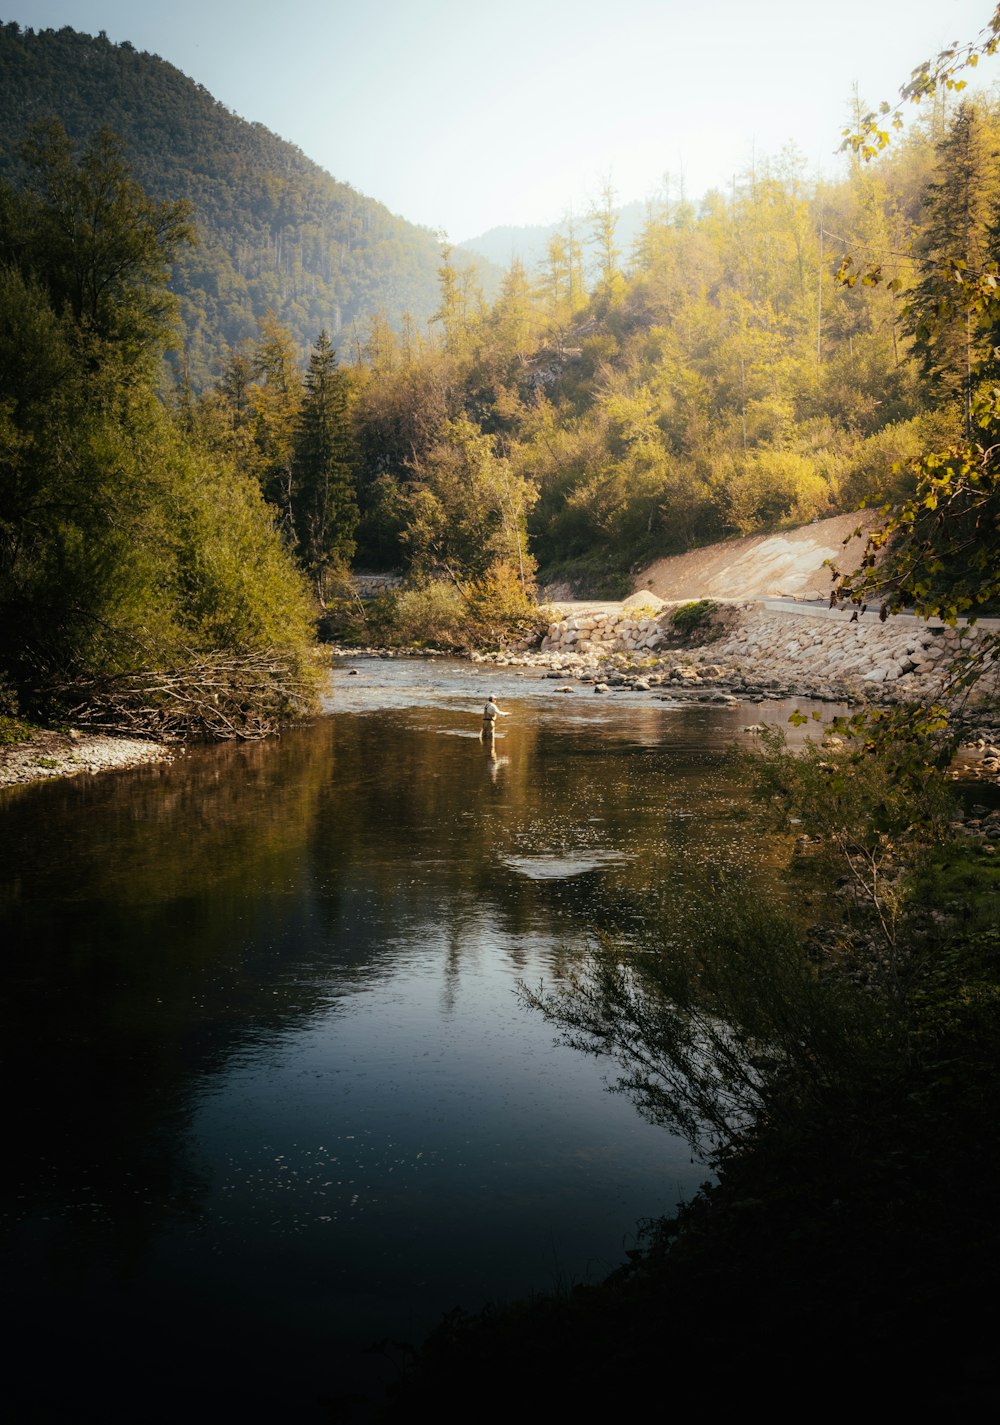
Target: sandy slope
[[761, 565]]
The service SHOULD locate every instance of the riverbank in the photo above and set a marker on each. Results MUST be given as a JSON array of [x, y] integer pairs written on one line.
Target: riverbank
[[771, 650], [753, 652], [70, 754]]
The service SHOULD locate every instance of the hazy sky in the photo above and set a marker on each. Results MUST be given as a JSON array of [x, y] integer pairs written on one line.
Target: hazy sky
[[464, 116]]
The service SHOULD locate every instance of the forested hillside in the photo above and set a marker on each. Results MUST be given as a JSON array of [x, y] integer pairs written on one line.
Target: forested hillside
[[783, 351], [780, 351], [274, 230], [774, 353]]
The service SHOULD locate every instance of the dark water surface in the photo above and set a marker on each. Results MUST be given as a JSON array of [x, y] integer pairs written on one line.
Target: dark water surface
[[271, 1094]]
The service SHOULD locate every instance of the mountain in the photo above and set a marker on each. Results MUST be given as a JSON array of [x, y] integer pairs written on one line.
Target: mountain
[[275, 230]]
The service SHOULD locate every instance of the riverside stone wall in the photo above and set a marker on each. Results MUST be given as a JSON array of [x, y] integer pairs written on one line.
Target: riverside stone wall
[[903, 659], [605, 631]]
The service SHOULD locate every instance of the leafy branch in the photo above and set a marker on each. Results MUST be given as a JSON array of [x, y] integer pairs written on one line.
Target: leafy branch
[[871, 135]]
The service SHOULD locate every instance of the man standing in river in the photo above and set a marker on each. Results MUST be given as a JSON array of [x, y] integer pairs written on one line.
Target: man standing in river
[[490, 714]]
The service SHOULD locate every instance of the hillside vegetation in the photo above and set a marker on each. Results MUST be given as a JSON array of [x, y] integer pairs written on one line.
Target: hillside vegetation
[[778, 353], [785, 351], [274, 230], [773, 354]]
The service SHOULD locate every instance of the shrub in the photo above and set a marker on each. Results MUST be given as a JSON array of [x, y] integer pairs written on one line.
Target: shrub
[[433, 614], [500, 609], [696, 619]]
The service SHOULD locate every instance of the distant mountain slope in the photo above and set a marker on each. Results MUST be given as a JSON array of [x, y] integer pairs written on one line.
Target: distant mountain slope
[[530, 244], [275, 229]]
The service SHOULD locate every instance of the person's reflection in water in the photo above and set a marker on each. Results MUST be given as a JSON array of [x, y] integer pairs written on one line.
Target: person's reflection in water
[[493, 762]]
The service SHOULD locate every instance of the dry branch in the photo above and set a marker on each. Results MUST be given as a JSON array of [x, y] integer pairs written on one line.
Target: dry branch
[[221, 695]]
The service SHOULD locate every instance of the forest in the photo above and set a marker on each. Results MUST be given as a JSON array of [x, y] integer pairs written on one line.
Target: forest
[[762, 356], [143, 581], [778, 353], [771, 354], [274, 231]]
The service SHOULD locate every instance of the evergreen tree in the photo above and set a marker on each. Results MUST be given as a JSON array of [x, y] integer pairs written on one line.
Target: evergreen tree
[[951, 339], [277, 399], [100, 245], [325, 499], [603, 221]]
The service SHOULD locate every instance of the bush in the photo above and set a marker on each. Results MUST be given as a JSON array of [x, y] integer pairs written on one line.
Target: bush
[[696, 620], [880, 469], [772, 486], [491, 611], [430, 615], [500, 610]]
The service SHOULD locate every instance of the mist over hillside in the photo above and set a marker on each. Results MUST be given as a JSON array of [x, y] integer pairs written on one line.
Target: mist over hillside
[[529, 245]]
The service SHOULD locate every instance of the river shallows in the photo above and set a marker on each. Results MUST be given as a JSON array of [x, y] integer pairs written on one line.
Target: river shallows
[[272, 1094]]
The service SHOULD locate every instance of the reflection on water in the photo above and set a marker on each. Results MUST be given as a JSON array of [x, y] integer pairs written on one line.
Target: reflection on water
[[561, 868], [272, 1094]]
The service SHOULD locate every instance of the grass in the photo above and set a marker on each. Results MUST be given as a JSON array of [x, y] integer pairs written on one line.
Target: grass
[[14, 730]]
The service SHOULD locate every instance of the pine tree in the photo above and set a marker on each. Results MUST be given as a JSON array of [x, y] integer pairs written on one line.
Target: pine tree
[[951, 340], [603, 221], [276, 399], [325, 499], [85, 228]]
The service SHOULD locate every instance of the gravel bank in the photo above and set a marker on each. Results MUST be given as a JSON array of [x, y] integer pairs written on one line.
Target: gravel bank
[[796, 650], [68, 754]]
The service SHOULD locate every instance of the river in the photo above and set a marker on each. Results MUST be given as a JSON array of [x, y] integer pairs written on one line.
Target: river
[[272, 1096]]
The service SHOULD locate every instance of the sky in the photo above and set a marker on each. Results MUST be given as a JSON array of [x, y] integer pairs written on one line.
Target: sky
[[467, 116]]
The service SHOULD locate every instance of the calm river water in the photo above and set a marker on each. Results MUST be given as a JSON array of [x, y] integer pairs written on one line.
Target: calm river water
[[272, 1096]]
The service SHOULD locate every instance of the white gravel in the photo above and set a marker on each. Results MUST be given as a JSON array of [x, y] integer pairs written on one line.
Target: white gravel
[[58, 754]]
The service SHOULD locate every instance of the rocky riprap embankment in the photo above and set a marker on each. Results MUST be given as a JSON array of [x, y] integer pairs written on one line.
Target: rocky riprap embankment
[[59, 754], [776, 651]]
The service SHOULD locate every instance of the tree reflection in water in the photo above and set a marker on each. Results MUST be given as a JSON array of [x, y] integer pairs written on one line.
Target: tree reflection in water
[[276, 1097]]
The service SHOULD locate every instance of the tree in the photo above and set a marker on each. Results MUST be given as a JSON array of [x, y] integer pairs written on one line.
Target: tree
[[469, 509], [142, 582], [324, 496], [603, 221], [952, 338], [86, 229], [563, 277], [276, 398], [512, 319], [939, 552], [461, 301]]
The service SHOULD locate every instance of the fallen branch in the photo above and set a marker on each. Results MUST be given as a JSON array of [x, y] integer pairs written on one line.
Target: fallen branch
[[228, 696]]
